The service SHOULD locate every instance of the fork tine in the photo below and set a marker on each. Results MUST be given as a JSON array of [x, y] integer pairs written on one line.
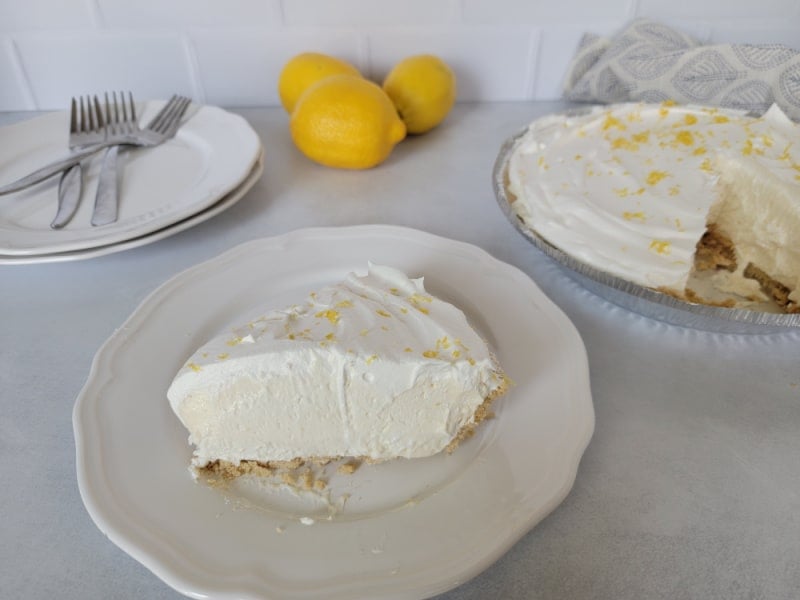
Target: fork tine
[[159, 118], [98, 111], [169, 117], [108, 110], [173, 116], [92, 113], [124, 107], [133, 106], [116, 108], [73, 116], [179, 112], [156, 121], [83, 117]]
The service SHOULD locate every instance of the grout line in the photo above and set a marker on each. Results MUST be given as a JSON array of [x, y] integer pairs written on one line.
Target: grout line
[[365, 56], [22, 75], [194, 70], [534, 60], [96, 13], [456, 12], [281, 13]]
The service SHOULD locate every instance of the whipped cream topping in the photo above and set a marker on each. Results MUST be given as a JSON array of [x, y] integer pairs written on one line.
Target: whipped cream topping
[[372, 367], [628, 188], [761, 215]]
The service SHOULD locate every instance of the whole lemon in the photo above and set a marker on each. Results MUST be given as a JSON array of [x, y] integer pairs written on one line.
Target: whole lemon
[[423, 88], [305, 69], [347, 122]]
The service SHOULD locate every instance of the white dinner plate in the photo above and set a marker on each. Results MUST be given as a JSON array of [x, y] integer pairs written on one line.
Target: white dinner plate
[[211, 154], [401, 529], [225, 203]]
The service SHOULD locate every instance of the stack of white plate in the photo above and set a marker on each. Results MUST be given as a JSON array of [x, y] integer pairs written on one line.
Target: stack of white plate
[[213, 160]]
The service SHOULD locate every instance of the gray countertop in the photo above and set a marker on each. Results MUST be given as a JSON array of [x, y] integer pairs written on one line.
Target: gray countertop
[[689, 488]]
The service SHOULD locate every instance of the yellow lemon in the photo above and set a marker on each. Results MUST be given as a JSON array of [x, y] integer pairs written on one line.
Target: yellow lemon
[[347, 122], [305, 69], [423, 88]]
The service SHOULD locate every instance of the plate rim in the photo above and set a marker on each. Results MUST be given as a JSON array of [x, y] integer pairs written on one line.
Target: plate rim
[[221, 205], [240, 133], [175, 572]]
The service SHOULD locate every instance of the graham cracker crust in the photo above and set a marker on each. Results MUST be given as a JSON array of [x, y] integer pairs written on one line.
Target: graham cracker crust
[[714, 251], [772, 288]]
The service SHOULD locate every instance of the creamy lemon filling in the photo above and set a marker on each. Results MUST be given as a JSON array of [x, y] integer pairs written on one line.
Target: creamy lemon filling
[[372, 367], [631, 189]]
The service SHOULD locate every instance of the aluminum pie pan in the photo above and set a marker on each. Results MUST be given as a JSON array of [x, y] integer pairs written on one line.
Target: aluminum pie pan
[[631, 296]]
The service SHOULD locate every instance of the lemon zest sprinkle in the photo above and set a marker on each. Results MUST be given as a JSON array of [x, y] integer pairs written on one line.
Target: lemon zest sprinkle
[[638, 215], [684, 137], [330, 314], [655, 176], [660, 246]]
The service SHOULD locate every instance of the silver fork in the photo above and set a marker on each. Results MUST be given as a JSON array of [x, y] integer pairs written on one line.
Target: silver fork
[[106, 200], [161, 128], [87, 127]]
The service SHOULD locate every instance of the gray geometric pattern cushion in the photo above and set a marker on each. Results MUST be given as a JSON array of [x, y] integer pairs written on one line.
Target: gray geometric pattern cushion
[[648, 61]]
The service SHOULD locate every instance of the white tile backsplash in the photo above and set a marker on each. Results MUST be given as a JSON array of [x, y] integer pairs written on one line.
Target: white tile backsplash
[[230, 53], [356, 13], [500, 55], [556, 49], [151, 65], [539, 12], [160, 14], [246, 73], [714, 10], [15, 90], [16, 15]]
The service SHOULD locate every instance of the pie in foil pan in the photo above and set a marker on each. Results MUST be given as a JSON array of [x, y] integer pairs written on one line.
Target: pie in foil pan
[[646, 301]]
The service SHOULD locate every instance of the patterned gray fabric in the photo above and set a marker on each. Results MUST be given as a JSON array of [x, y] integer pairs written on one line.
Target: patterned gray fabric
[[651, 62]]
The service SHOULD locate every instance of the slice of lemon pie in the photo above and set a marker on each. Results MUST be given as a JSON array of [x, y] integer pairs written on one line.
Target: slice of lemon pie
[[372, 367]]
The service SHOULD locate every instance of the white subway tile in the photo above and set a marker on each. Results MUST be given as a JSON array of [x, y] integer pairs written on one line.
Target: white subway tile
[[719, 9], [157, 14], [491, 64], [14, 94], [241, 67], [557, 47], [353, 13], [231, 53], [151, 65], [21, 15], [542, 12]]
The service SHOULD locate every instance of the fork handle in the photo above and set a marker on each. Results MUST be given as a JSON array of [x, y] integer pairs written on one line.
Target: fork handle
[[53, 168], [106, 196]]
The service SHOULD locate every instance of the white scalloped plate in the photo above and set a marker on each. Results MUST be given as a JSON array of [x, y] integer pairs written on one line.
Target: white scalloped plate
[[211, 154], [221, 205], [410, 528]]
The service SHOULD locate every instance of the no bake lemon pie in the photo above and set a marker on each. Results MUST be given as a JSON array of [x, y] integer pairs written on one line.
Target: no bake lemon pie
[[701, 203], [372, 367]]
